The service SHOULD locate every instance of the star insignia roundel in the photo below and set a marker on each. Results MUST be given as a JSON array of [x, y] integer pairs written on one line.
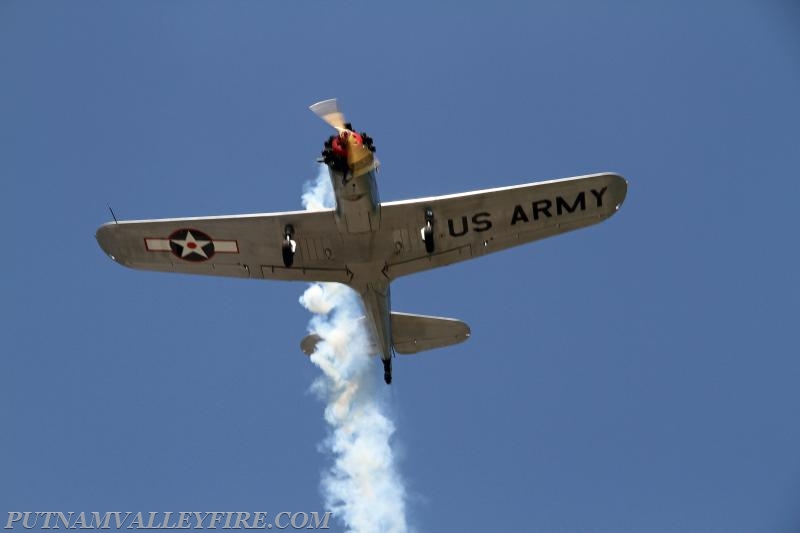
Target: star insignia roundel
[[191, 245]]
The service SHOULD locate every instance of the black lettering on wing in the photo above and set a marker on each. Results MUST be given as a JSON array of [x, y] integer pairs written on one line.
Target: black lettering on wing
[[519, 214], [598, 196], [562, 205], [542, 206], [464, 227], [481, 221]]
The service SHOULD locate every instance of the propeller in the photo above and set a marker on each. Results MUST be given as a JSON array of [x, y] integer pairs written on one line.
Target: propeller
[[328, 110]]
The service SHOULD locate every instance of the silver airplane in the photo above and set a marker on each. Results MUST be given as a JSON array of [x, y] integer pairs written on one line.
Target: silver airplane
[[365, 243]]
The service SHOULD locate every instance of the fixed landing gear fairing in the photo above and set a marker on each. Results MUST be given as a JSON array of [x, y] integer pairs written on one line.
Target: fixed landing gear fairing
[[365, 243]]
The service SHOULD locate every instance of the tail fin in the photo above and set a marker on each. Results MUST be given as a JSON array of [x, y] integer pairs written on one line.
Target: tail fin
[[416, 333]]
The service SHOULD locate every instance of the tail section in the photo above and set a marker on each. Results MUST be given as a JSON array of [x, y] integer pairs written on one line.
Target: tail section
[[412, 334], [417, 333], [309, 343]]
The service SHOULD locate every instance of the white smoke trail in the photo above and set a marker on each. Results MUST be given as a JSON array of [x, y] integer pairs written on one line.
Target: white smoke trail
[[363, 487]]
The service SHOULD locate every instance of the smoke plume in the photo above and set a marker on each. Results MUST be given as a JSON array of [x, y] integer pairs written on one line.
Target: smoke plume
[[363, 487]]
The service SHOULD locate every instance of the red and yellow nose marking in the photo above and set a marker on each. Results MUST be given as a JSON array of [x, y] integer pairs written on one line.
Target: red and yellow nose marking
[[359, 157]]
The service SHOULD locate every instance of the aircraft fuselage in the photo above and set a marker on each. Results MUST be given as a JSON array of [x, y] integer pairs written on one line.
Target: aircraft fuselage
[[357, 212]]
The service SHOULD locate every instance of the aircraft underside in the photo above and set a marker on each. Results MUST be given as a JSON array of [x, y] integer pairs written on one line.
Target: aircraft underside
[[366, 243]]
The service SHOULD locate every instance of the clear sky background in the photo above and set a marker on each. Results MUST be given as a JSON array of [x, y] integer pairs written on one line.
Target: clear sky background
[[639, 375]]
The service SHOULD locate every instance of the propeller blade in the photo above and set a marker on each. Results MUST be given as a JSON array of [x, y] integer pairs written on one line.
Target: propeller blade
[[328, 110]]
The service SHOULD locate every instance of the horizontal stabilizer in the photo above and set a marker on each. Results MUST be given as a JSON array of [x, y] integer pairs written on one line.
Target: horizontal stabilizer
[[416, 333], [411, 334], [309, 343]]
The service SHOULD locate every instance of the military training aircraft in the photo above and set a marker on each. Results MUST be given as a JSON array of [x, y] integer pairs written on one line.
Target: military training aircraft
[[365, 243]]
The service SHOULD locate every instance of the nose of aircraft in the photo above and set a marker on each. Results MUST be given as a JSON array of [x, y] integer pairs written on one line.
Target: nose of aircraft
[[357, 153]]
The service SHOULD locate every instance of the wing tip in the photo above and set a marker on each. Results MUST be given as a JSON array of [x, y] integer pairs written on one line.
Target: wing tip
[[105, 239], [619, 190]]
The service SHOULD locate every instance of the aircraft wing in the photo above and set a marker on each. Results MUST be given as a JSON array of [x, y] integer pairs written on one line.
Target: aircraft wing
[[245, 246], [476, 223]]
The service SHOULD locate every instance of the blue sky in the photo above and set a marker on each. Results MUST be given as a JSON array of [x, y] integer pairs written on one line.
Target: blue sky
[[639, 375]]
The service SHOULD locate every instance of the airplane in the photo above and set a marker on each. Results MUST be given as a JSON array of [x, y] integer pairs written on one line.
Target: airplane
[[365, 243]]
